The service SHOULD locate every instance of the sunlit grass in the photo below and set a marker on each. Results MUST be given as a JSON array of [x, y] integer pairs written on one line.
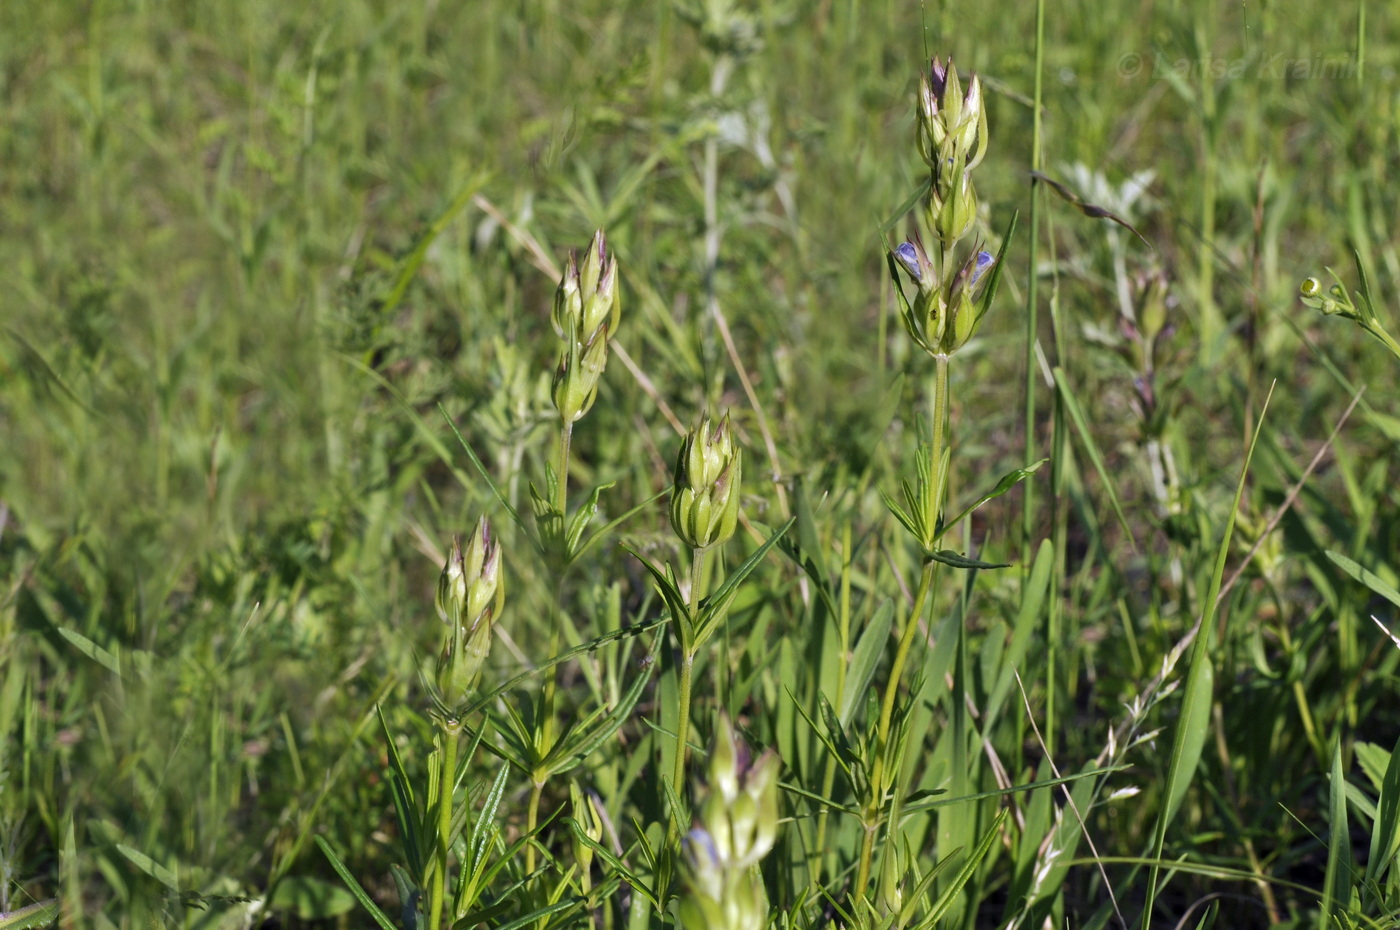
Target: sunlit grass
[[275, 273]]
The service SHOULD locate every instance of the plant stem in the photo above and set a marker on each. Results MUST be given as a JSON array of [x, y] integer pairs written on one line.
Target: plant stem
[[451, 731], [1032, 298], [1386, 339], [688, 650], [933, 500], [561, 488], [532, 817], [875, 803]]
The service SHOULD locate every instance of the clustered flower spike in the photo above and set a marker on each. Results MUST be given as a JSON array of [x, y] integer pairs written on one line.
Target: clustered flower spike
[[952, 137], [470, 594], [736, 827], [705, 498], [944, 314], [585, 315]]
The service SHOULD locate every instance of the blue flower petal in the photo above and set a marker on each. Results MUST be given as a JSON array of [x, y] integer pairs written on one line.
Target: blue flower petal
[[985, 260], [908, 256]]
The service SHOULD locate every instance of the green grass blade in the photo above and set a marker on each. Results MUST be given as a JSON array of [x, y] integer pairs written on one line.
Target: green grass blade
[[414, 260], [969, 868], [108, 660], [1031, 610], [1385, 832], [1366, 577], [1337, 884], [1195, 712], [865, 658], [39, 914], [151, 867], [1081, 426], [354, 886]]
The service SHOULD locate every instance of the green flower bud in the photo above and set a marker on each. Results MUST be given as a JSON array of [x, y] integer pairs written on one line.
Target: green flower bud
[[952, 123], [737, 827], [1152, 303], [952, 207], [576, 379], [705, 498], [470, 593], [585, 315], [586, 815], [1337, 302], [889, 894], [964, 312], [587, 295]]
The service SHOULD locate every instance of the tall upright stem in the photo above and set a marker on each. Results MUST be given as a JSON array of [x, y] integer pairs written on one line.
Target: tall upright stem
[[451, 731], [875, 803], [688, 650], [561, 489], [933, 500], [1032, 298]]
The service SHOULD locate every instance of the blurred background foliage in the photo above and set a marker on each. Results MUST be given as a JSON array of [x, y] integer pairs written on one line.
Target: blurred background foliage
[[250, 248]]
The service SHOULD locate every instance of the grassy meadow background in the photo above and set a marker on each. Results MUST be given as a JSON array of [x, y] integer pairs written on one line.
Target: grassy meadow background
[[249, 249]]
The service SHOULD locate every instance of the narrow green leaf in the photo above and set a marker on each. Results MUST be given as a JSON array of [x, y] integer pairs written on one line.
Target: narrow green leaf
[[1385, 832], [39, 914], [1336, 886], [1007, 482], [671, 594], [1032, 609], [1367, 577], [865, 659], [969, 868], [405, 805], [482, 829], [618, 521], [905, 520], [836, 734], [96, 653], [985, 302], [612, 862], [586, 512], [904, 208], [586, 739], [713, 609], [151, 867], [1192, 729], [354, 886], [958, 560], [1189, 728]]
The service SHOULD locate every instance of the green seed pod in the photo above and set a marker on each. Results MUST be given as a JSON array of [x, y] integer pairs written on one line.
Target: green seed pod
[[705, 497]]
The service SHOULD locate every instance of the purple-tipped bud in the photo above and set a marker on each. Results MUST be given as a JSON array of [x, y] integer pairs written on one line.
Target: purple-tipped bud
[[469, 596]]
